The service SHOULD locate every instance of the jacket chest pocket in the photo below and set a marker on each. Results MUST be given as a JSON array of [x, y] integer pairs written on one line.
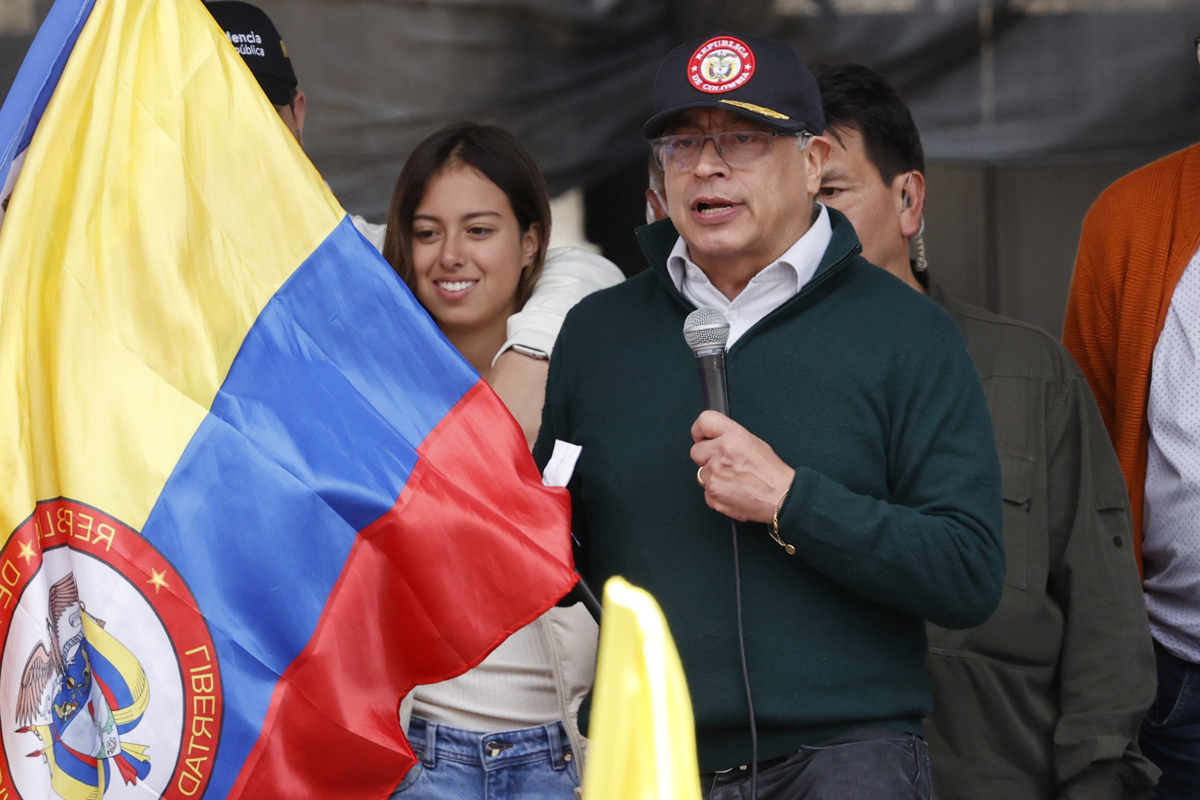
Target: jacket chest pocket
[[1016, 473]]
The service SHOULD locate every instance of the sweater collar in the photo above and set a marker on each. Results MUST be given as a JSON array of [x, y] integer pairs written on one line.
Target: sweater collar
[[659, 238]]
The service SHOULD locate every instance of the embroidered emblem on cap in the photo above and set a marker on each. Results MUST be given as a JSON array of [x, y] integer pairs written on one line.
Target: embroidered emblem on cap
[[721, 64]]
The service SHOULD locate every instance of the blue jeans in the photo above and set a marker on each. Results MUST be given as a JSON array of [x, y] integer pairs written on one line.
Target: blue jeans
[[1171, 730], [534, 763], [865, 765]]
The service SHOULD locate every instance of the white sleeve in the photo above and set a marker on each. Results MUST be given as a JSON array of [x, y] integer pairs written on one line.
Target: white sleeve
[[570, 275], [374, 233]]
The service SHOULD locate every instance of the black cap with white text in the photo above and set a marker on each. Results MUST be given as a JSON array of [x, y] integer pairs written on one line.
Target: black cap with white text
[[254, 36], [761, 79]]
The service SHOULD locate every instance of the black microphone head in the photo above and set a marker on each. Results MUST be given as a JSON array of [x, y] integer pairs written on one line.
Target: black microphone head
[[706, 331]]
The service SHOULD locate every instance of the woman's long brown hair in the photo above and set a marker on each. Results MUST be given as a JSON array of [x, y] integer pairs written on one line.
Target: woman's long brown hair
[[498, 156]]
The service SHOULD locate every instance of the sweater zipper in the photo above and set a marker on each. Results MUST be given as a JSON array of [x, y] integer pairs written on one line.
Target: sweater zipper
[[560, 689]]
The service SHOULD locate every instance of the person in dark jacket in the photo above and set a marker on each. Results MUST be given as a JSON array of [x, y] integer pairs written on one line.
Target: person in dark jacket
[[858, 465], [1045, 699]]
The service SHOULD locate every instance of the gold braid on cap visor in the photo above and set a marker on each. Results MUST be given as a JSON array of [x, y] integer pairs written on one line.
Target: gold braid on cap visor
[[766, 112]]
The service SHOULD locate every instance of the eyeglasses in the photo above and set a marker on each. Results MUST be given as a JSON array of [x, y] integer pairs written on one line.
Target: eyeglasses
[[737, 148]]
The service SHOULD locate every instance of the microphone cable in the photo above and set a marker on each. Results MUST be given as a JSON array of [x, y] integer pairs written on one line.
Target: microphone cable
[[706, 331], [737, 588]]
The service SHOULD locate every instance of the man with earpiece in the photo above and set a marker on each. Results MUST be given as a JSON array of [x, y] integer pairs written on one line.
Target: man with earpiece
[[1044, 700]]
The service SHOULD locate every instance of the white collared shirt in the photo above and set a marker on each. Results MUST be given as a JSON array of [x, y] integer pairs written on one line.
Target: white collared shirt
[[1172, 515], [766, 291]]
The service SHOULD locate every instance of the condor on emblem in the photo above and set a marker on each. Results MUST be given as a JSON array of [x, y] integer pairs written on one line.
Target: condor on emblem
[[109, 683]]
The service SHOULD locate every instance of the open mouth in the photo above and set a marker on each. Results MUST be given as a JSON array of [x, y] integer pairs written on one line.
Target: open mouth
[[713, 206], [455, 286]]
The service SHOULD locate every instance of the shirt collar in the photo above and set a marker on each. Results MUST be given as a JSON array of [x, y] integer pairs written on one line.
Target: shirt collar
[[799, 262]]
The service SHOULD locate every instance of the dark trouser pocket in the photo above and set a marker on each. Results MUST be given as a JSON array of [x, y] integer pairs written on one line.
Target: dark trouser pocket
[[1171, 731]]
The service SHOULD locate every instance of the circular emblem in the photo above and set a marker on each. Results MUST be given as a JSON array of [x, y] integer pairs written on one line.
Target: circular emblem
[[721, 64], [109, 683]]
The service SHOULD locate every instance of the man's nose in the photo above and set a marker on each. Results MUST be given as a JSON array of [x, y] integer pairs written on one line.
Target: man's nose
[[710, 161]]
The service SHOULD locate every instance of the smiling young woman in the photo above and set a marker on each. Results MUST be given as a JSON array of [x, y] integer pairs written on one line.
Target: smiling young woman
[[467, 231]]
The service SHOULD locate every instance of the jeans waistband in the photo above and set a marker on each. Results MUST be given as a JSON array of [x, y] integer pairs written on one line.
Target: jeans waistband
[[495, 750], [1164, 654]]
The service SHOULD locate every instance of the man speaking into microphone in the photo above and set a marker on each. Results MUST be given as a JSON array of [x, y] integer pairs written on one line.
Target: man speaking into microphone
[[857, 460]]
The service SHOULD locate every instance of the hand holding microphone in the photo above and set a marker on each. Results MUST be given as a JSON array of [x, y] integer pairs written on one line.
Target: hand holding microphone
[[742, 476], [736, 462]]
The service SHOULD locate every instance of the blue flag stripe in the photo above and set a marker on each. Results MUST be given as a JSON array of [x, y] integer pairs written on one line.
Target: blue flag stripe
[[310, 439]]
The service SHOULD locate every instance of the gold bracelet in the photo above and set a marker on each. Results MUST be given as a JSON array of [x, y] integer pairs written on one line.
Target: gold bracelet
[[791, 551]]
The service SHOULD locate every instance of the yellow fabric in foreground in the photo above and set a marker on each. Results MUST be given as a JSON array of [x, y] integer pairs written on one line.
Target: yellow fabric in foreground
[[643, 737], [161, 205]]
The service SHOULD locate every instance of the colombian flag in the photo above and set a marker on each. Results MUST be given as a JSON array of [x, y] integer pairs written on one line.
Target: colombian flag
[[251, 495]]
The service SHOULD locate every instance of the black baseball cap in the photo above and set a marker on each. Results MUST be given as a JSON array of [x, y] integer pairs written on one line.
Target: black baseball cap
[[254, 36], [761, 79]]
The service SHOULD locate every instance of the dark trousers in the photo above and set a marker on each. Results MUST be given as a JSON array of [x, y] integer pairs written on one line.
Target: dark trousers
[[1171, 730], [866, 765]]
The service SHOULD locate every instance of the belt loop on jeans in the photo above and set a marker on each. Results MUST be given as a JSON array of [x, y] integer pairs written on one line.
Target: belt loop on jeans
[[556, 746], [429, 757]]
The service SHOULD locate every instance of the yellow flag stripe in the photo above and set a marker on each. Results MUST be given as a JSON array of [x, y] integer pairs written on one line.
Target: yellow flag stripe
[[130, 269]]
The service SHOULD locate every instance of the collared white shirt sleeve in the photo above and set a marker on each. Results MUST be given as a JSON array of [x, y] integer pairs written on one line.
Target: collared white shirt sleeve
[[768, 290], [570, 274], [374, 233], [1171, 550]]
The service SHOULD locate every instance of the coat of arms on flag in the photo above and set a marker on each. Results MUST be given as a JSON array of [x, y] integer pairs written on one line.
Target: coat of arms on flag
[[119, 685], [233, 447]]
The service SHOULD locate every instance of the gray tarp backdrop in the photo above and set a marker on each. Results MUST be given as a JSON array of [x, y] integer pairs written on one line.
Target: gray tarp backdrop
[[1084, 89], [1026, 81]]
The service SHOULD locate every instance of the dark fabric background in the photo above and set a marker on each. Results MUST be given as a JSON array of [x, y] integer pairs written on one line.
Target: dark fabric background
[[1011, 82], [1023, 81], [1030, 81]]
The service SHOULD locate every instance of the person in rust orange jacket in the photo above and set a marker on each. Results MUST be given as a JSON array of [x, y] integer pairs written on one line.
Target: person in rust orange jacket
[[1133, 324]]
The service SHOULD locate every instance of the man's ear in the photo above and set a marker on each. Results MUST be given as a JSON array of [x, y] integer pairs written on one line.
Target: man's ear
[[910, 188], [656, 205], [299, 104], [816, 154]]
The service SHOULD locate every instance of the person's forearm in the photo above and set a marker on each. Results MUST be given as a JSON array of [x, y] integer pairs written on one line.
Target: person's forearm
[[946, 567], [520, 381], [940, 564], [1106, 667], [932, 545], [570, 274]]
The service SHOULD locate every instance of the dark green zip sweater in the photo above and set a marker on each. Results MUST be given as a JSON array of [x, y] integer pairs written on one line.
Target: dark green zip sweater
[[866, 389]]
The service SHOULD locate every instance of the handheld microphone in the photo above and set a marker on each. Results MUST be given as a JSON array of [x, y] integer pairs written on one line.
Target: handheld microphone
[[706, 331]]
